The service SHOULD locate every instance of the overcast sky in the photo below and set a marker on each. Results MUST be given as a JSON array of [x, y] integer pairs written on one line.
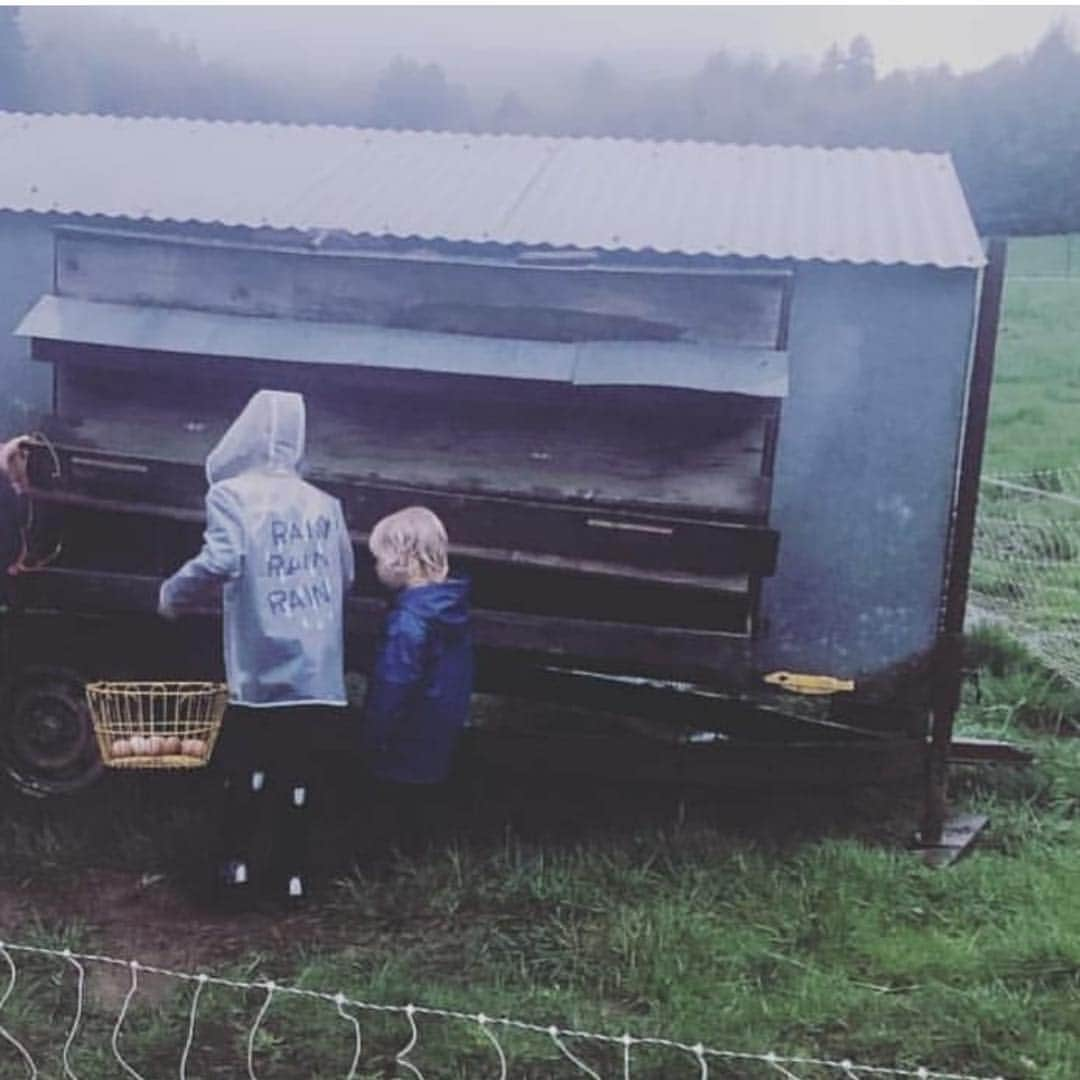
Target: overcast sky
[[471, 39]]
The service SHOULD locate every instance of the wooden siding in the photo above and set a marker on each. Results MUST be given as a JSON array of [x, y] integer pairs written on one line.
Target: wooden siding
[[668, 452], [549, 303]]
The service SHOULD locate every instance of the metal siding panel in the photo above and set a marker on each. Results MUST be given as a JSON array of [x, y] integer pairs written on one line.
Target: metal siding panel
[[864, 472], [760, 372], [59, 318], [756, 372], [840, 205]]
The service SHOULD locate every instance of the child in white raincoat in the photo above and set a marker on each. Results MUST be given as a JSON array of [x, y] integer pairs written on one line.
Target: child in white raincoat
[[278, 550]]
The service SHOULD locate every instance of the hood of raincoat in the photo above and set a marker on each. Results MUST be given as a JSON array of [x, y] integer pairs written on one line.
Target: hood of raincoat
[[267, 436], [444, 604]]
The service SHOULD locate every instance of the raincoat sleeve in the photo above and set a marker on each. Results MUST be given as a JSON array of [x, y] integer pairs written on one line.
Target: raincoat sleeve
[[199, 580], [348, 560], [397, 676]]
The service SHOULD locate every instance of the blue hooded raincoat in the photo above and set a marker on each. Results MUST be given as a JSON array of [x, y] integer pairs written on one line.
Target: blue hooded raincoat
[[418, 700], [279, 551]]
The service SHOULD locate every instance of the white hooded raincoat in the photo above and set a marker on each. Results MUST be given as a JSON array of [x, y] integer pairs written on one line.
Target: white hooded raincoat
[[279, 549]]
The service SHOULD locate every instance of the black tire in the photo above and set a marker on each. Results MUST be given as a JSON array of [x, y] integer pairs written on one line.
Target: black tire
[[47, 743]]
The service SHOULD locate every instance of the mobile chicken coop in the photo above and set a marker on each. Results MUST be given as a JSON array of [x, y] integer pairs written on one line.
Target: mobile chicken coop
[[703, 421]]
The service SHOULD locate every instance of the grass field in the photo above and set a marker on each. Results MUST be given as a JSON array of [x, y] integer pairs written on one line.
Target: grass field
[[1036, 393], [1027, 566], [804, 928], [1045, 256]]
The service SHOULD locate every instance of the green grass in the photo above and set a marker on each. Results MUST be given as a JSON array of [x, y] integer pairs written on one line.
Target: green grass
[[1036, 392], [1030, 572], [1041, 256]]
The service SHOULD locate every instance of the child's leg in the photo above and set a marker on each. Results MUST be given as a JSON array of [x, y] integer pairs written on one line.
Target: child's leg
[[296, 764], [404, 816], [290, 872], [379, 828], [244, 799], [423, 819], [241, 808]]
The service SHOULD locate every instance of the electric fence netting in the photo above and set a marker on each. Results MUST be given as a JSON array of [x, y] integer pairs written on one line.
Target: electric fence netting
[[1026, 566], [567, 1047]]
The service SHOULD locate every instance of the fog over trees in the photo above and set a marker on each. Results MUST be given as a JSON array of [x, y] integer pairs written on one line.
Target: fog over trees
[[1013, 127]]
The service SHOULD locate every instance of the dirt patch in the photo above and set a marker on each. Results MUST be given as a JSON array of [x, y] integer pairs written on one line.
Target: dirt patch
[[143, 916]]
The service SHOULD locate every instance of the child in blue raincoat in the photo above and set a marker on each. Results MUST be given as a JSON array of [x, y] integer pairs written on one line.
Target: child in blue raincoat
[[418, 696]]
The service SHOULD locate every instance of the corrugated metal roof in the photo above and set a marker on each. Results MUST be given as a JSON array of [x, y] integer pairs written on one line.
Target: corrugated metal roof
[[860, 205]]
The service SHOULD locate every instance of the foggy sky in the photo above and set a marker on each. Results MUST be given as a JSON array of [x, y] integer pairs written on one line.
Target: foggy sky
[[493, 40]]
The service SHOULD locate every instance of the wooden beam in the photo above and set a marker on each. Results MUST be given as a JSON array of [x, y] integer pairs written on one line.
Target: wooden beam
[[993, 751], [732, 584], [730, 765], [669, 542], [617, 646], [949, 674]]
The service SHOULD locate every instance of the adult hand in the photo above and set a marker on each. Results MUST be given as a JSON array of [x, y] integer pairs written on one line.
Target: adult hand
[[13, 459]]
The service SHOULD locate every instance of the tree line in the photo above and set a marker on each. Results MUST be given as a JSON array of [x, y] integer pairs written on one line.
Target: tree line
[[1013, 128]]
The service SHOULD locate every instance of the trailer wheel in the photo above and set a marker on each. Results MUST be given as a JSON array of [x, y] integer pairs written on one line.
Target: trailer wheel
[[47, 744]]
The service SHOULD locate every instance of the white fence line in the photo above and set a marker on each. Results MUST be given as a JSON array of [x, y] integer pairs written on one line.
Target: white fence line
[[698, 1055]]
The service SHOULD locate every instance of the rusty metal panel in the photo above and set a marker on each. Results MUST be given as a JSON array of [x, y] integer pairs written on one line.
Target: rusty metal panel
[[834, 205]]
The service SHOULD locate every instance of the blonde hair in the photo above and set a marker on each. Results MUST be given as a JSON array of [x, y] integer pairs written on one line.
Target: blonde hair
[[412, 544]]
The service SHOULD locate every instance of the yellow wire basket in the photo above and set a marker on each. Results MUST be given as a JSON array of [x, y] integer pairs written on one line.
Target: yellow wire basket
[[156, 725]]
